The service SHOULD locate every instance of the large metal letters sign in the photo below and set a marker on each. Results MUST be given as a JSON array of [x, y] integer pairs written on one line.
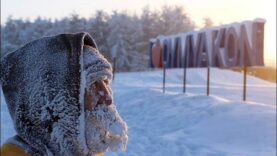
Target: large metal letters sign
[[223, 46]]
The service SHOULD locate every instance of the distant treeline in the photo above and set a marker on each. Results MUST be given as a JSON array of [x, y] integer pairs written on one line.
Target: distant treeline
[[118, 34]]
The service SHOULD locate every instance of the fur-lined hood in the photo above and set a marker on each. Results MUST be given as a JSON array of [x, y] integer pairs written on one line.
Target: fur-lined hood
[[41, 85]]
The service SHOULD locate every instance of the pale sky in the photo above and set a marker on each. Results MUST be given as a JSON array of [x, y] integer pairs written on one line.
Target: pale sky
[[220, 11]]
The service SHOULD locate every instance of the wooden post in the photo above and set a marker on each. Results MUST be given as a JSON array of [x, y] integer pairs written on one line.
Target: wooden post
[[185, 74], [114, 62], [208, 80], [245, 63], [244, 82], [164, 75]]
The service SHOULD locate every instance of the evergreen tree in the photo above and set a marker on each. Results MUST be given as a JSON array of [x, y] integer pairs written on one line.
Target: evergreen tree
[[119, 35], [174, 20], [207, 22], [98, 28]]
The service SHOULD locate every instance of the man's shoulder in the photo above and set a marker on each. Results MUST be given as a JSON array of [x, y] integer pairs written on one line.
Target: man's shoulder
[[9, 149]]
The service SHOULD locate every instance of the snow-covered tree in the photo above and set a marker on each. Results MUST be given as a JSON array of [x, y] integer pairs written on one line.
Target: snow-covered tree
[[207, 22], [118, 35], [174, 19], [10, 35], [98, 28]]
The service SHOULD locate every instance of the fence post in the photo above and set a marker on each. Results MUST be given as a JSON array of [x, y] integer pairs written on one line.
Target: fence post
[[245, 63], [185, 74], [114, 62], [164, 75], [244, 82], [208, 80]]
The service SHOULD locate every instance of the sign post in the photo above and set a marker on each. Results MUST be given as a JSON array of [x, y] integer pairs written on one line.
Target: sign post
[[208, 80], [114, 62], [244, 74], [164, 75], [185, 74], [244, 82]]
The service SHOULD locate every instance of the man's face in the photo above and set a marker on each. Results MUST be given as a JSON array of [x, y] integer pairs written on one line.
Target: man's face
[[104, 128], [98, 93]]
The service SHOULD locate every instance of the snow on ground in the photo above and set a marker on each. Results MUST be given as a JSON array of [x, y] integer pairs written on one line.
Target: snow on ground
[[191, 124]]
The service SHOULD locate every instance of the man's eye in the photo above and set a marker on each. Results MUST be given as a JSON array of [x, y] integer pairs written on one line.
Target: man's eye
[[106, 81]]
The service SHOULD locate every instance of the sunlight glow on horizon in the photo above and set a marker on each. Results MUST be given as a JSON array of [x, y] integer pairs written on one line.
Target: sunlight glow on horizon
[[220, 11]]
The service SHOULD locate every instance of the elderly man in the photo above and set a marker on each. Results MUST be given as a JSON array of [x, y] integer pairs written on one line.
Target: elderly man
[[58, 93]]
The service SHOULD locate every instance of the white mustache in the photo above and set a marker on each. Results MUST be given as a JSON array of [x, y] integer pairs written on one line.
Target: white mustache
[[105, 129]]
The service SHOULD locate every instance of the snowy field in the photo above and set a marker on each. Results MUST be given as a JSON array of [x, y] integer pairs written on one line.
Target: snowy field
[[191, 124]]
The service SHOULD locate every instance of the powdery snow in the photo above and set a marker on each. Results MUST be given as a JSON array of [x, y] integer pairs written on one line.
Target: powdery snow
[[191, 124]]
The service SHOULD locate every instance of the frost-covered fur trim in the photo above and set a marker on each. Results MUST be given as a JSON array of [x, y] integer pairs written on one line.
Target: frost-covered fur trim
[[96, 66]]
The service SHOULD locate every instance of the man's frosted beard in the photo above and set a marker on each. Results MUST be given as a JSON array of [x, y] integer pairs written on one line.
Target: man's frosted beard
[[105, 129]]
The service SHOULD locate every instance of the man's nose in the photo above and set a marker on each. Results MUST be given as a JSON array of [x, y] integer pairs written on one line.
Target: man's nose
[[105, 95]]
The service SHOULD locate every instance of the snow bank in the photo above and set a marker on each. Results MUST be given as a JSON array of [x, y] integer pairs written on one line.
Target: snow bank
[[191, 124]]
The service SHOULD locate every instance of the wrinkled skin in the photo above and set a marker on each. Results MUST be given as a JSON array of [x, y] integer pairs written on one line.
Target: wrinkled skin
[[104, 95]]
